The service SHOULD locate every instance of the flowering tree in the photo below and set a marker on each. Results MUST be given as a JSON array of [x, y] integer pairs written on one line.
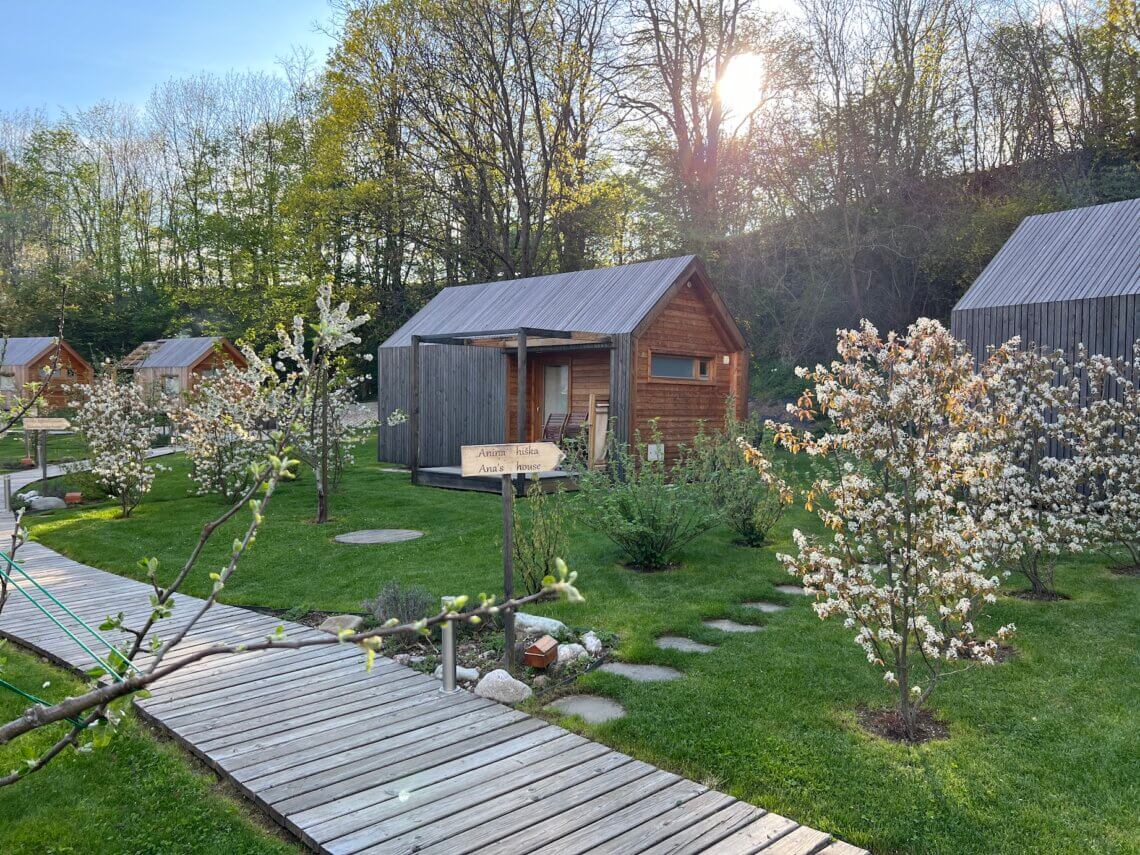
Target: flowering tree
[[1107, 430], [325, 435], [907, 559], [223, 425], [1038, 500], [117, 423], [287, 389]]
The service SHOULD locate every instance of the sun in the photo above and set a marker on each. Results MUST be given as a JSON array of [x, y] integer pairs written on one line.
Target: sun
[[739, 86]]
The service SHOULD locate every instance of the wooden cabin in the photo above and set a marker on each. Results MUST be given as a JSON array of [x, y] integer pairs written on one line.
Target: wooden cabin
[[1062, 279], [605, 350], [33, 360], [171, 366]]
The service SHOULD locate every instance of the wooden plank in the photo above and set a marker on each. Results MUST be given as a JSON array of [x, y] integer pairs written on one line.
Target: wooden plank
[[668, 825], [838, 847], [702, 835], [756, 835], [801, 841]]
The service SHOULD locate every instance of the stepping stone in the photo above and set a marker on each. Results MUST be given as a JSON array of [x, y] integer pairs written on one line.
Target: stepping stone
[[726, 625], [401, 471], [686, 645], [762, 606], [379, 535], [641, 673], [592, 709], [792, 589]]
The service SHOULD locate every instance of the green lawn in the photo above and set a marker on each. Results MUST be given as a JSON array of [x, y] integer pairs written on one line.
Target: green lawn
[[138, 795], [1043, 749], [62, 448]]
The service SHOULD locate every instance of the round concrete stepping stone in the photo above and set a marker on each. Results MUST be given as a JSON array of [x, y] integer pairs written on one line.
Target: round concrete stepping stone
[[379, 535], [762, 606], [400, 471], [592, 709], [792, 589], [686, 645], [726, 625], [641, 673]]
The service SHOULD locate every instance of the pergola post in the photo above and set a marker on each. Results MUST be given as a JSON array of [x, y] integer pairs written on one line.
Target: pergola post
[[414, 406]]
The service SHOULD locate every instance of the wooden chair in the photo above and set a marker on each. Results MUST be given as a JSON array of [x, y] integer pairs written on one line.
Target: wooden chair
[[574, 424], [555, 427]]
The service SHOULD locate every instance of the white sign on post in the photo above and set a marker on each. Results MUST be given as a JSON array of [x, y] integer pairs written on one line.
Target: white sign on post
[[510, 458]]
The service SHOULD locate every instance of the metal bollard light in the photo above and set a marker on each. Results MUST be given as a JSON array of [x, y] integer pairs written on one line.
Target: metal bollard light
[[448, 640]]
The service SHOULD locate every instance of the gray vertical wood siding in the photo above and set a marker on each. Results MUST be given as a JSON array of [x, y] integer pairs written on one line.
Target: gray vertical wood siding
[[463, 400]]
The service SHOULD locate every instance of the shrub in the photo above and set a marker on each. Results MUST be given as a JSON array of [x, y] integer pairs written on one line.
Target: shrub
[[649, 510], [540, 535], [744, 486], [406, 603]]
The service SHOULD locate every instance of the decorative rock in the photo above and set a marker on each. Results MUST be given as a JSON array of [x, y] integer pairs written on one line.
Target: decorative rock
[[379, 535], [539, 680], [502, 687], [725, 625], [592, 643], [592, 709], [686, 645], [466, 675], [334, 624], [46, 503], [641, 673], [792, 589], [538, 625], [568, 653], [762, 606], [402, 659], [416, 660]]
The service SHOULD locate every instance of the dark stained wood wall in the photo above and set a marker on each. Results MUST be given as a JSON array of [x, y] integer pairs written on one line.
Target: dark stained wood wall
[[686, 326], [462, 394], [72, 372], [1107, 325]]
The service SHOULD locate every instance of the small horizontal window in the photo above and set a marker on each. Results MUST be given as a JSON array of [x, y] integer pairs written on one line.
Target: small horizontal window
[[679, 367]]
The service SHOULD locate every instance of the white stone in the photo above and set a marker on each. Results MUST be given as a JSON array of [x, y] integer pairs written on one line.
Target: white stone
[[46, 503], [592, 709], [679, 642], [792, 589], [334, 624], [641, 673], [464, 675], [502, 687], [538, 624], [592, 643], [568, 653], [725, 625]]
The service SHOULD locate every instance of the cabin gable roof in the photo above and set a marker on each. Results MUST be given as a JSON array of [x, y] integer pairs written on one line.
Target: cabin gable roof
[[27, 351], [606, 301], [1080, 254], [173, 352]]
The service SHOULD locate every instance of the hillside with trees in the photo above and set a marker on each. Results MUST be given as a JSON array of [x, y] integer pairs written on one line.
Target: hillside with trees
[[831, 161]]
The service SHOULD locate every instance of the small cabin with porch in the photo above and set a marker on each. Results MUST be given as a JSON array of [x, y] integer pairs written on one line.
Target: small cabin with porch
[[588, 354], [171, 366], [38, 360]]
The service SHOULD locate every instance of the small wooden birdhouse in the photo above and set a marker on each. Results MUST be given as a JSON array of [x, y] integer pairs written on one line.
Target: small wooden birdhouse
[[541, 653]]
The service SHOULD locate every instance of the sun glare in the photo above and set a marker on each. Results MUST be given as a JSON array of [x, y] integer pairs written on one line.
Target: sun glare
[[739, 87]]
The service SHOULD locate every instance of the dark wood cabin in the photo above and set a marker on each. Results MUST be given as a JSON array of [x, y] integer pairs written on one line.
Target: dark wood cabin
[[1062, 279], [34, 360], [171, 366], [603, 350]]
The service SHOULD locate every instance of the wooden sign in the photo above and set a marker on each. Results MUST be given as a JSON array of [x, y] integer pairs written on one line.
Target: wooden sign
[[47, 424], [510, 458]]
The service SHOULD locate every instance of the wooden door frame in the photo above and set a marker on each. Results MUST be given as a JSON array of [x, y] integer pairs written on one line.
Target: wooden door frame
[[536, 383]]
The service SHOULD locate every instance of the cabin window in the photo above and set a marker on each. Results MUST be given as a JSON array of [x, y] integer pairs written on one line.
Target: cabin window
[[171, 386], [555, 390], [7, 382], [667, 367]]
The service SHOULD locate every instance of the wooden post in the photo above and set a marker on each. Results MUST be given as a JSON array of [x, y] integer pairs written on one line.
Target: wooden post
[[414, 404], [508, 570], [43, 454], [520, 417]]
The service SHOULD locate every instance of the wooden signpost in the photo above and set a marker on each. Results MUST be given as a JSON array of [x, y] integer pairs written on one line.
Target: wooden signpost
[[43, 426], [508, 460]]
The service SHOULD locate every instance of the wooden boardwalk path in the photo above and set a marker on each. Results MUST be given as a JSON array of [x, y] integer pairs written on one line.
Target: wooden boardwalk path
[[383, 762]]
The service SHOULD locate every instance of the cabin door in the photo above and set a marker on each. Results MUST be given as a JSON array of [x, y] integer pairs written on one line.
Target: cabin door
[[555, 392]]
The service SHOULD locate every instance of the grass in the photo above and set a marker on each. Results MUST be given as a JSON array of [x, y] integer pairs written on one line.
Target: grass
[[1042, 752], [62, 448], [137, 795]]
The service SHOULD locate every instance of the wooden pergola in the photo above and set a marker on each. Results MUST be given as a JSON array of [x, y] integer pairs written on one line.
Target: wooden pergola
[[521, 336]]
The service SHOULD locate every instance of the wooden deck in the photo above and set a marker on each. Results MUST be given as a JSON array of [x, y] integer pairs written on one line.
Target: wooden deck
[[450, 478], [383, 762]]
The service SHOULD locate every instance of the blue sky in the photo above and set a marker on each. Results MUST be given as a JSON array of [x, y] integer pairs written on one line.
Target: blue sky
[[66, 54]]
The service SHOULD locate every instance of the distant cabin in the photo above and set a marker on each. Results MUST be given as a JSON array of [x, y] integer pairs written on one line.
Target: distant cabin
[[175, 365], [33, 360], [616, 347], [1061, 279]]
